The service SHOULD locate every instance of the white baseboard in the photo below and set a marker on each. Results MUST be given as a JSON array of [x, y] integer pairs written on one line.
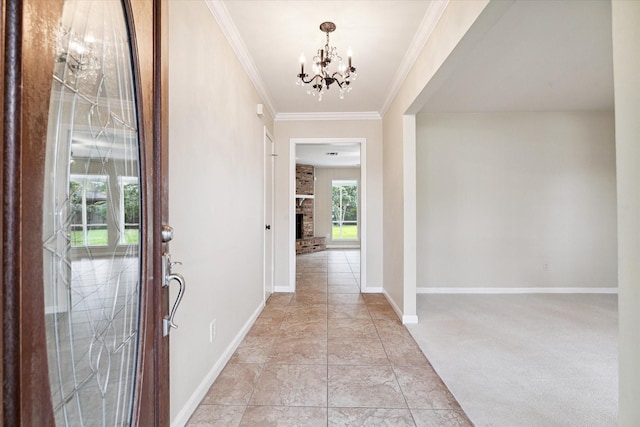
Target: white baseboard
[[200, 392], [393, 304], [406, 319], [568, 290], [283, 289], [371, 290], [409, 320]]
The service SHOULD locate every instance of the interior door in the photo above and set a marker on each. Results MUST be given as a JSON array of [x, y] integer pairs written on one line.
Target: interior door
[[85, 200], [268, 214]]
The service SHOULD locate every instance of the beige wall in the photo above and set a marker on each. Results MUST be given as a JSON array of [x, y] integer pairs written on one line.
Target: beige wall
[[323, 201], [398, 149], [516, 200], [216, 199], [626, 65], [371, 130]]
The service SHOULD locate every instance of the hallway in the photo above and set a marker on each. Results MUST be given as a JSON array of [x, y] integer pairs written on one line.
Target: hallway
[[328, 356]]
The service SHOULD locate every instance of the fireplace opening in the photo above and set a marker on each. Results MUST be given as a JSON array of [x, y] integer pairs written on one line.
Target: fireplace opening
[[299, 226]]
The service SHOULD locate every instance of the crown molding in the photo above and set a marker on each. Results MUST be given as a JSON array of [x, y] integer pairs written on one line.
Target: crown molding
[[221, 15], [357, 115], [431, 18]]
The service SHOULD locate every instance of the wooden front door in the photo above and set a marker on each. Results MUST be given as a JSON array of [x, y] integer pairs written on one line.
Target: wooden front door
[[84, 203]]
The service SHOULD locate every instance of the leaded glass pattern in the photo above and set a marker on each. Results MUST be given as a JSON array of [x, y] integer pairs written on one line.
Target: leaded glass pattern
[[91, 227]]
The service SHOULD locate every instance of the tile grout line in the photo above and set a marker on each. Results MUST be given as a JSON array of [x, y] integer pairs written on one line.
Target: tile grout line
[[327, 339]]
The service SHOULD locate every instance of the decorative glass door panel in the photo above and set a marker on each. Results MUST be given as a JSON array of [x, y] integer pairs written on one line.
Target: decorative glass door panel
[[91, 221]]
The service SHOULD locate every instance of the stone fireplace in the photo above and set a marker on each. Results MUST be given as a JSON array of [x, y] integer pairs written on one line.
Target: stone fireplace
[[306, 242]]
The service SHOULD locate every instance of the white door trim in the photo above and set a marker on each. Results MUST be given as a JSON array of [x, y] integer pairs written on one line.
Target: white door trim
[[363, 201]]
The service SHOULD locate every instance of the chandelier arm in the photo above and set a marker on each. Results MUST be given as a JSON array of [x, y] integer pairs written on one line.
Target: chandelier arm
[[345, 79], [302, 76], [341, 84]]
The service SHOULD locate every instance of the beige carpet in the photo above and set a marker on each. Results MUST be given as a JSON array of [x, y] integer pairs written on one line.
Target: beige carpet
[[525, 360]]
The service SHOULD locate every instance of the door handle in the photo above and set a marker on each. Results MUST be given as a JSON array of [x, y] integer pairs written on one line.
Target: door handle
[[268, 227], [167, 322], [169, 276], [166, 233]]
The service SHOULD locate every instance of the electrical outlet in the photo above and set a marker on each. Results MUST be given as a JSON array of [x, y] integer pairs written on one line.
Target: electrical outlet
[[212, 330], [545, 267]]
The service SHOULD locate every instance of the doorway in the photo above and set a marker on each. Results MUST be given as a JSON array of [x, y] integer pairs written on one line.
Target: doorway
[[330, 158]]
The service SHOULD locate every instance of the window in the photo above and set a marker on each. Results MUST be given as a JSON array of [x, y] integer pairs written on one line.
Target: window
[[344, 210], [88, 195], [129, 224], [90, 202]]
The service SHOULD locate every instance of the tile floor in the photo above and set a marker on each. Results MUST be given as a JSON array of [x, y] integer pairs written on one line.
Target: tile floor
[[328, 356]]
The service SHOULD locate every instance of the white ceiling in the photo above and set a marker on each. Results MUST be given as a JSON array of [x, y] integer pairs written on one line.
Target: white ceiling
[[275, 33], [343, 155], [544, 55], [541, 55]]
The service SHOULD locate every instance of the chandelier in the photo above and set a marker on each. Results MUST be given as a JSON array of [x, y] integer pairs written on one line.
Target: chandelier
[[323, 78]]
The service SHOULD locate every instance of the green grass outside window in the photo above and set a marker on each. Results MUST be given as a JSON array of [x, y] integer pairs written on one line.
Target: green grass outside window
[[100, 237], [348, 232]]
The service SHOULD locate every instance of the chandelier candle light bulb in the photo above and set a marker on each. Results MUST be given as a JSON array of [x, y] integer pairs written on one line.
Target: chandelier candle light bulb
[[323, 78]]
